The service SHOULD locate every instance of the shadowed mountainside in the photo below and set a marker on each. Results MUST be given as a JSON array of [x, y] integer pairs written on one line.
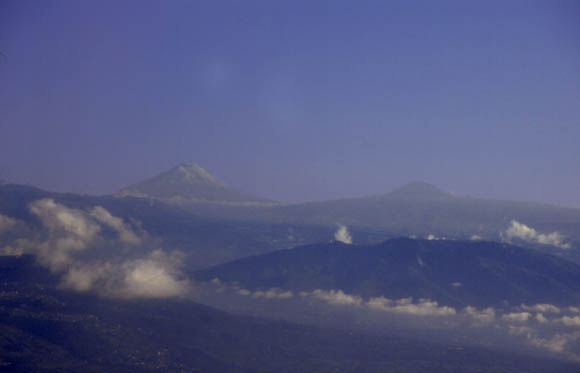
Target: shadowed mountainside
[[455, 273], [45, 329]]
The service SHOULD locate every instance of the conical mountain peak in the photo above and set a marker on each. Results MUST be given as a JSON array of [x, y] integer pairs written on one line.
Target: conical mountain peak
[[192, 173], [187, 181]]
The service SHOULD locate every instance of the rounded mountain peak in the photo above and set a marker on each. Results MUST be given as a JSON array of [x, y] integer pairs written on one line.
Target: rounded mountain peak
[[419, 189]]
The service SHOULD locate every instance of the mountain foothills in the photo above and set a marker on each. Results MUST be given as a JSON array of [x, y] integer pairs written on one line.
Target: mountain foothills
[[44, 328], [128, 282]]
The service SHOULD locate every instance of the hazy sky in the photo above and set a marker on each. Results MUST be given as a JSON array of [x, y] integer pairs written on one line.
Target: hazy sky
[[294, 100]]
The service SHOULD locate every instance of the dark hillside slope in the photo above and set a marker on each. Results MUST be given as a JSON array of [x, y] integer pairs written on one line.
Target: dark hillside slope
[[456, 273], [44, 329]]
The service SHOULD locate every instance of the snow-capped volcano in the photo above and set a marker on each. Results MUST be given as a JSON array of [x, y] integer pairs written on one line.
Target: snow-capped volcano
[[187, 181]]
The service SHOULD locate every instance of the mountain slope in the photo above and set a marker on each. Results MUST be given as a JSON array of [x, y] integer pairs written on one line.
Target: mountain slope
[[453, 273], [46, 329], [187, 182]]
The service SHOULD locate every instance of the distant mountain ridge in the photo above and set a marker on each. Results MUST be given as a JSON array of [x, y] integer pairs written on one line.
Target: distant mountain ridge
[[417, 190], [187, 182]]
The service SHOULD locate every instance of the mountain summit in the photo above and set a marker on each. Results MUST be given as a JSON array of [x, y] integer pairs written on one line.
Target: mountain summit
[[187, 181], [419, 190]]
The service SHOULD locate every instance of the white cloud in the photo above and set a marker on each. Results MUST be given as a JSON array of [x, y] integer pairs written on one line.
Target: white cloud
[[272, 294], [543, 308], [520, 330], [475, 237], [529, 234], [481, 316], [570, 321], [541, 318], [424, 307], [69, 231], [557, 343], [433, 237], [59, 218], [6, 223], [517, 316], [155, 276], [343, 235], [11, 251], [83, 277], [337, 297], [420, 261], [456, 284], [574, 309]]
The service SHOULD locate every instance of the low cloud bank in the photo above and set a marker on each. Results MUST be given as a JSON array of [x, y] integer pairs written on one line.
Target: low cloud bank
[[520, 231], [272, 293], [432, 237], [540, 326], [517, 316], [545, 308], [424, 307], [484, 316], [68, 233], [343, 235], [334, 297]]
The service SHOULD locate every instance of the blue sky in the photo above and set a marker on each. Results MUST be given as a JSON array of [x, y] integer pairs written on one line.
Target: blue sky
[[295, 100]]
